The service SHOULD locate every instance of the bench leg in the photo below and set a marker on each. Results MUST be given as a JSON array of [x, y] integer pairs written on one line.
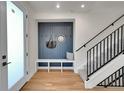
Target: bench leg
[[61, 67], [48, 66]]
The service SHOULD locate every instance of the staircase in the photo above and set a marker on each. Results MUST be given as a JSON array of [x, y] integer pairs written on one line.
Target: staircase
[[104, 60], [116, 79]]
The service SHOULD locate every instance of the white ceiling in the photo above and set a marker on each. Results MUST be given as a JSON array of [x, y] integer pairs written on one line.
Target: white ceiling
[[74, 6]]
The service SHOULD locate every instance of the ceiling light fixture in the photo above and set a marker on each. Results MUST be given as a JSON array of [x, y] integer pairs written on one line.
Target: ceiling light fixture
[[82, 6], [57, 6]]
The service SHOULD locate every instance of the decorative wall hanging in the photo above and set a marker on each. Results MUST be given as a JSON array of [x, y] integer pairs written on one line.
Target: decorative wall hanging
[[51, 43]]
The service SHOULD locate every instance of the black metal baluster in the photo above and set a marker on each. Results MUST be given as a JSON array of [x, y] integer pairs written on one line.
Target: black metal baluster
[[119, 76], [123, 76], [93, 59], [104, 51], [118, 41], [87, 64], [111, 46], [108, 81], [112, 79], [100, 54], [115, 78], [121, 38], [97, 57], [90, 63], [107, 49], [114, 42], [105, 82]]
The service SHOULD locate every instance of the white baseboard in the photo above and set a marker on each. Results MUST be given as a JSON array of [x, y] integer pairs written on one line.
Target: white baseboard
[[30, 75], [75, 71]]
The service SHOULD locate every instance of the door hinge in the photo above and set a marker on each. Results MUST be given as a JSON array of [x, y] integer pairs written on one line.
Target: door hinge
[[26, 35], [26, 54], [27, 72], [26, 16]]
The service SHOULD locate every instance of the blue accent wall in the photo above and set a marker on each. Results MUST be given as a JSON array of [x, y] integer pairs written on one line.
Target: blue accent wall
[[57, 28]]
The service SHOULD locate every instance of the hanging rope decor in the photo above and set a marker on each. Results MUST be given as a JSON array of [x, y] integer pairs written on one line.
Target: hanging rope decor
[[51, 43]]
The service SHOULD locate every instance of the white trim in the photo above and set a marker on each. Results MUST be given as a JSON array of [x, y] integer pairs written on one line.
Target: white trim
[[55, 60], [56, 20]]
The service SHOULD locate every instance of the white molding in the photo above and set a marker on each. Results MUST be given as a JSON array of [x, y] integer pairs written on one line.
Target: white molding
[[56, 20], [55, 60]]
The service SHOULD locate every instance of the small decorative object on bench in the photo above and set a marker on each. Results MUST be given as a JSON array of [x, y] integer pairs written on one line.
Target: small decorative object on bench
[[69, 56]]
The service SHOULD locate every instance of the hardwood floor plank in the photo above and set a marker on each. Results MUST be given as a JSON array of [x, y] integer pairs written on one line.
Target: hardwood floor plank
[[60, 81]]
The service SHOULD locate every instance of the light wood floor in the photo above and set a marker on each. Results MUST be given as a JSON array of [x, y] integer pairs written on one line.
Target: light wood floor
[[59, 81]]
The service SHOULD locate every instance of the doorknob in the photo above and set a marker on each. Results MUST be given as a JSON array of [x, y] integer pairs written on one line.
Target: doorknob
[[5, 63]]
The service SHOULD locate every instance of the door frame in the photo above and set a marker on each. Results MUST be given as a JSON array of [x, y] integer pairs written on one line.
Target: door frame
[[3, 46], [19, 84]]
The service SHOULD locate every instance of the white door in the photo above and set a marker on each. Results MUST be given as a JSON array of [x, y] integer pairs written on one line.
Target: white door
[[13, 63]]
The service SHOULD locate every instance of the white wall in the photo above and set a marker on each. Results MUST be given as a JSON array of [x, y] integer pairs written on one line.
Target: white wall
[[32, 39], [87, 25], [33, 54]]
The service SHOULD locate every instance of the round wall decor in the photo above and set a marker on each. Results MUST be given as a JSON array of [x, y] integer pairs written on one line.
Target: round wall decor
[[61, 38]]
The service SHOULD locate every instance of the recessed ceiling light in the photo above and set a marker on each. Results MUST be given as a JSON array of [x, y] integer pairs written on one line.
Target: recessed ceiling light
[[82, 6], [57, 6]]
